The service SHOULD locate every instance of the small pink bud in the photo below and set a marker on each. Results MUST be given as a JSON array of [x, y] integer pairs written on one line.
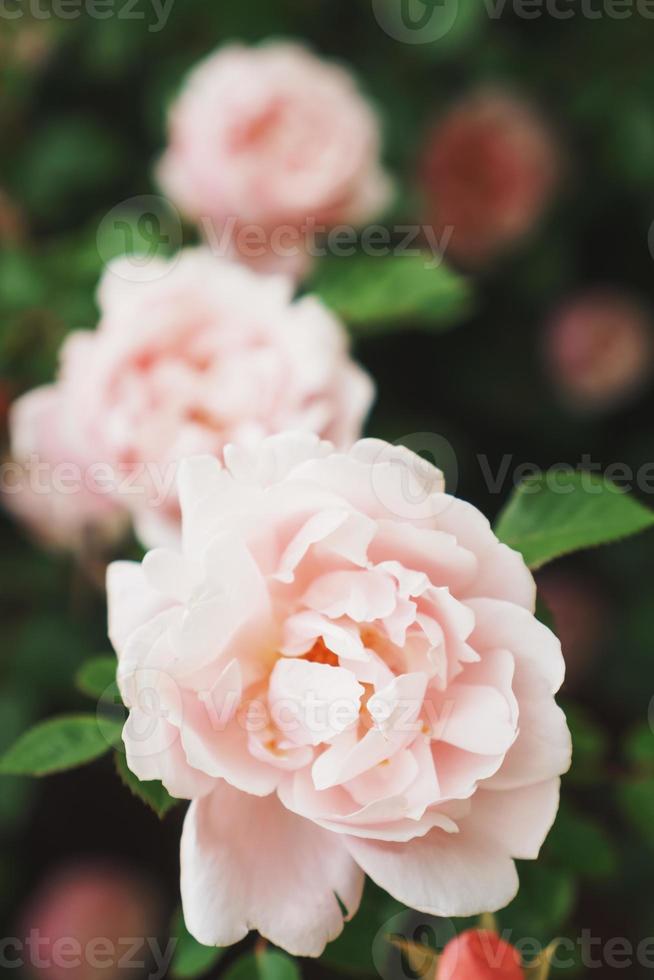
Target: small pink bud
[[479, 954]]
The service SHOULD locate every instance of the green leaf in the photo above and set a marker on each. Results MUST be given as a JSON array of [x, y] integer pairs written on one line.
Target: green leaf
[[16, 712], [191, 958], [560, 511], [371, 292], [268, 965], [60, 743], [97, 678], [152, 792]]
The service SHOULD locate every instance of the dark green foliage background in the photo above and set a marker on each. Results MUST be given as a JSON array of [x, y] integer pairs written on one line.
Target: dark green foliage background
[[79, 134]]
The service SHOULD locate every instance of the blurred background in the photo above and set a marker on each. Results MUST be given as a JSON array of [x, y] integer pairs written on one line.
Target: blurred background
[[532, 137]]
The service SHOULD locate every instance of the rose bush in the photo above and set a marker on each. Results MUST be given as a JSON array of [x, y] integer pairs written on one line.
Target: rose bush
[[271, 137], [341, 668], [189, 354]]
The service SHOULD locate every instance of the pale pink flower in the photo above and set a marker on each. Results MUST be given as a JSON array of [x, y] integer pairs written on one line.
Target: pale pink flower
[[78, 923], [198, 353], [598, 349], [272, 137], [487, 172], [50, 484], [341, 668]]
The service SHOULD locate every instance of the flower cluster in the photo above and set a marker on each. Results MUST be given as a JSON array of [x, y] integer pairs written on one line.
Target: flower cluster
[[334, 660]]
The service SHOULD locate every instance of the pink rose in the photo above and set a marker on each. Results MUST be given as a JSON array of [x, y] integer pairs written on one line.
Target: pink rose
[[197, 354], [50, 485], [343, 671], [598, 349], [78, 923], [271, 137], [487, 173]]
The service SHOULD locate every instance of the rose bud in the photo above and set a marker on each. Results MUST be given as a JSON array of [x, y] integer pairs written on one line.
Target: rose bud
[[345, 655], [598, 349], [479, 954], [263, 140], [487, 172], [199, 353], [83, 922]]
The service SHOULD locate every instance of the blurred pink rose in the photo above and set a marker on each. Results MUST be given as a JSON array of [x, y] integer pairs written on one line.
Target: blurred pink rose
[[84, 919], [12, 223], [269, 137], [487, 172], [198, 353], [479, 954], [342, 669], [50, 486], [598, 348]]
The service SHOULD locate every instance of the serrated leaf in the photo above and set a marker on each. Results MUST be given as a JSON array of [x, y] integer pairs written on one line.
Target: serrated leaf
[[60, 743], [372, 292], [97, 677], [151, 791], [267, 965], [560, 512], [191, 958]]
